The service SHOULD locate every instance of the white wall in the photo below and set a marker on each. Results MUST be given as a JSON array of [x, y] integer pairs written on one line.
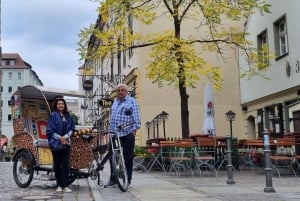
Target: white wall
[[259, 87]]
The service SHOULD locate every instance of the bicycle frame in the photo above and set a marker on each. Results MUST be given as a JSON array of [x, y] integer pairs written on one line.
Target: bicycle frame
[[114, 149]]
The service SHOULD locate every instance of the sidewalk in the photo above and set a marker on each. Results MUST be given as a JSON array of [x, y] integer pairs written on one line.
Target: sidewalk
[[156, 186]]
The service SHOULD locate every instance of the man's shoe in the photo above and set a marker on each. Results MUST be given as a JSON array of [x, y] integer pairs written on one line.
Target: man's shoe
[[110, 183]]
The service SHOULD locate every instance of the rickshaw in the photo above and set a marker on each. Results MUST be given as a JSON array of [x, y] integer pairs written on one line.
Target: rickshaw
[[31, 107]]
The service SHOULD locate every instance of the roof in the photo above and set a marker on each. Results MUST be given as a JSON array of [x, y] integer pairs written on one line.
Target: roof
[[20, 63]]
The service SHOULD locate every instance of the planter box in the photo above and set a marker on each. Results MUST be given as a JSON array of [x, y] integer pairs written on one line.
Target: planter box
[[7, 158]]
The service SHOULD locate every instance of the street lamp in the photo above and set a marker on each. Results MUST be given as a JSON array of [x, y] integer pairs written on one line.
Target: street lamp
[[230, 117], [164, 116], [148, 124]]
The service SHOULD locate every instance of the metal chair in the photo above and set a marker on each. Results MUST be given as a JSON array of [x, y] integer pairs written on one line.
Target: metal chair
[[181, 158], [204, 155], [283, 158]]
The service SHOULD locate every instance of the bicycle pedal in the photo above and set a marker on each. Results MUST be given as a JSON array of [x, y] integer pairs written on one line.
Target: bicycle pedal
[[100, 167]]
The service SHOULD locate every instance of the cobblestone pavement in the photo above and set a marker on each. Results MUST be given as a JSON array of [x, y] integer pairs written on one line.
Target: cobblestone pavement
[[157, 186], [39, 189], [249, 186]]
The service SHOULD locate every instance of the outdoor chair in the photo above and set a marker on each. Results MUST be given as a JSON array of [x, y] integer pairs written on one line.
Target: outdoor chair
[[283, 158], [297, 163], [167, 149], [181, 158], [204, 156], [249, 148]]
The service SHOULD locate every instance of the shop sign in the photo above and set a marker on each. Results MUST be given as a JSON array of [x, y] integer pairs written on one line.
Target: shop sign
[[87, 85]]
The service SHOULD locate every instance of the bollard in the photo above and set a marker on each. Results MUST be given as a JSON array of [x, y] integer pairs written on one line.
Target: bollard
[[229, 161], [268, 166]]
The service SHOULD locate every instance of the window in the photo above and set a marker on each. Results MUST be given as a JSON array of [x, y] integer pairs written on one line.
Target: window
[[9, 117], [281, 37], [274, 121], [119, 53], [263, 51], [1, 89], [10, 75], [130, 24], [12, 62], [9, 89], [9, 103], [19, 76]]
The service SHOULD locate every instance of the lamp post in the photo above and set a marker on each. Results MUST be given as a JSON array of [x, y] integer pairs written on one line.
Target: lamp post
[[230, 117], [157, 120], [153, 124], [148, 124], [164, 116]]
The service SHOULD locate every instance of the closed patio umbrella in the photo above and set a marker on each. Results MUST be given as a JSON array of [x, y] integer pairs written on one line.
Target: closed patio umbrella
[[209, 112]]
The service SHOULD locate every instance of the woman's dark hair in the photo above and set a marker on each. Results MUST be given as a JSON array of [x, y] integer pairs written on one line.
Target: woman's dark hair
[[54, 107]]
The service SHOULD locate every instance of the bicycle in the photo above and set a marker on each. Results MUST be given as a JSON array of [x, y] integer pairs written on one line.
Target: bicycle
[[115, 151]]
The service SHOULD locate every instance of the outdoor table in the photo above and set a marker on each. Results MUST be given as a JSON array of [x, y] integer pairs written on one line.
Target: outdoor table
[[156, 156]]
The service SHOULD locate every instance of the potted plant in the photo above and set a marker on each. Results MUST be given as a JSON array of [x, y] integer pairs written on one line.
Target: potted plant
[[142, 152], [141, 158]]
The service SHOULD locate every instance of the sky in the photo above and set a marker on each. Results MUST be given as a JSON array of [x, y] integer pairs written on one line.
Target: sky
[[45, 34]]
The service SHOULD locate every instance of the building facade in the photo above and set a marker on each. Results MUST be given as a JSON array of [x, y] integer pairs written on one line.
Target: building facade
[[272, 102], [129, 67], [15, 73]]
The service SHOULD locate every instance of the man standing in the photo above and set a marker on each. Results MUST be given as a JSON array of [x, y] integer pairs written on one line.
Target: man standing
[[124, 111]]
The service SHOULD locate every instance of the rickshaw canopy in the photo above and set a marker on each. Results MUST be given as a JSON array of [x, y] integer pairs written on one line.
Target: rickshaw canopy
[[41, 92], [44, 93]]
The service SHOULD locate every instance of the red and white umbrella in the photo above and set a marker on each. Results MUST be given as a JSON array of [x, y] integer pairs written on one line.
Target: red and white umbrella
[[209, 111]]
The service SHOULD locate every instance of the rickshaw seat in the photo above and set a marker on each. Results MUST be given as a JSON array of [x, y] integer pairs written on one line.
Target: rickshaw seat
[[87, 138], [41, 143]]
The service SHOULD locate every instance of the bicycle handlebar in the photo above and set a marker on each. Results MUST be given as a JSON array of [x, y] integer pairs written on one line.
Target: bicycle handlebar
[[126, 125], [120, 127]]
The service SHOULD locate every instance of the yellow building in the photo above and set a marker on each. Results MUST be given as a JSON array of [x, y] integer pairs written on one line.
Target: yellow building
[[154, 100]]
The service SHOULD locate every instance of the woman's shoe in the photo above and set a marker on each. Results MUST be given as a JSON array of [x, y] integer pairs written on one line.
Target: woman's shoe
[[59, 189], [67, 190]]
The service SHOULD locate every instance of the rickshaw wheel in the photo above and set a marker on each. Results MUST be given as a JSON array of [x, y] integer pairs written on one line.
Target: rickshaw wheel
[[23, 169], [119, 170], [72, 176]]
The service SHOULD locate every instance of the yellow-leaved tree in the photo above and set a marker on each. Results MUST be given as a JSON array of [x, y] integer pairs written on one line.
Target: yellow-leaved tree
[[174, 59]]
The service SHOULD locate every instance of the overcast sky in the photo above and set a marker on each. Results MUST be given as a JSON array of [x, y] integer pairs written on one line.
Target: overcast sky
[[45, 34]]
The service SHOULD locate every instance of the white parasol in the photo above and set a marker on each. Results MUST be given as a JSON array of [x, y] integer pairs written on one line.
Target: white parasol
[[209, 111]]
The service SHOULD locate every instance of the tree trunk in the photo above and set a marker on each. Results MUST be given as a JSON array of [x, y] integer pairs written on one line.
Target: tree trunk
[[185, 128]]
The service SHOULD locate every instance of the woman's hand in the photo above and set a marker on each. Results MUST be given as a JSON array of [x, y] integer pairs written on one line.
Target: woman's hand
[[63, 140]]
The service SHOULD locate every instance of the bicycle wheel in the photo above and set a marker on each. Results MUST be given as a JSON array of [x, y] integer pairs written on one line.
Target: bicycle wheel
[[119, 171], [23, 169]]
